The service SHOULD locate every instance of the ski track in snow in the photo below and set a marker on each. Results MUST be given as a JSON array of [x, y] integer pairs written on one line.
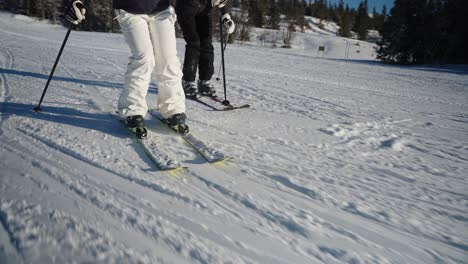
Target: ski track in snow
[[336, 161]]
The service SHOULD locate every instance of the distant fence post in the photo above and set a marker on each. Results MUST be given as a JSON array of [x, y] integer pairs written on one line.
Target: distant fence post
[[321, 49], [347, 50]]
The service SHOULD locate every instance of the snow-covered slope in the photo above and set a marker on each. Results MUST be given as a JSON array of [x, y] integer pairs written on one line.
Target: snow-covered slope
[[316, 41], [337, 161]]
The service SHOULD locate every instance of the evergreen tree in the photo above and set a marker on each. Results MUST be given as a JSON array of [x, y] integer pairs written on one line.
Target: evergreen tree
[[455, 23], [257, 11], [361, 25], [380, 19], [99, 16], [334, 13], [299, 19], [340, 10], [308, 9], [425, 31], [391, 47], [283, 4], [372, 20], [274, 15], [320, 10], [345, 20]]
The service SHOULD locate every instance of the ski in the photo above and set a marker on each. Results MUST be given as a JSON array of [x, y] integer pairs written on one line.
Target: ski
[[219, 100], [216, 104], [152, 149], [210, 154]]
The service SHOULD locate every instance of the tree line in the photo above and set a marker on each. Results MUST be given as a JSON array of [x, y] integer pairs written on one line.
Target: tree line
[[413, 32], [267, 14], [425, 32], [257, 13]]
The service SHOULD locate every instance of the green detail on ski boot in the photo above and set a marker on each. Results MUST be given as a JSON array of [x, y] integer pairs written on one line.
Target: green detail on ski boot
[[181, 128], [177, 123], [140, 132], [136, 124]]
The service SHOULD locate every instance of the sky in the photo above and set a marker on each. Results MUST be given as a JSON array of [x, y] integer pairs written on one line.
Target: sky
[[378, 4]]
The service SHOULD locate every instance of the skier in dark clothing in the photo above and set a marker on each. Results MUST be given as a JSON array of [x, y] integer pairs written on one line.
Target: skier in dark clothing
[[196, 22]]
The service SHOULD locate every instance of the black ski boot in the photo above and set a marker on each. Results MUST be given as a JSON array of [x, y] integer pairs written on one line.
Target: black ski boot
[[177, 122], [190, 89], [206, 88], [137, 124]]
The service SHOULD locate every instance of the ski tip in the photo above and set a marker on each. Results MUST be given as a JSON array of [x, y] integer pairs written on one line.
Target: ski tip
[[221, 161], [231, 107], [174, 169]]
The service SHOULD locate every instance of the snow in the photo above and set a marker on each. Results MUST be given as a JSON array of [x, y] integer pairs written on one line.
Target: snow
[[336, 161]]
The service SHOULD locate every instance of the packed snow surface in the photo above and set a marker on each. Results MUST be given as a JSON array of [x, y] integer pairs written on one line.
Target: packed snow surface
[[337, 160]]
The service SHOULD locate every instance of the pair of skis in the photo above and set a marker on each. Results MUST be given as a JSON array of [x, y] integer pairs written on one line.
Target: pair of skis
[[152, 147]]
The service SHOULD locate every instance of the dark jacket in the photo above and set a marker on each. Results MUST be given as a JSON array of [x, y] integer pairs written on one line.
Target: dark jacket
[[190, 8], [141, 6]]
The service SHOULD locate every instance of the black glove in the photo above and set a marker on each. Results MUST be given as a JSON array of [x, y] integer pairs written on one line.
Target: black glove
[[75, 12]]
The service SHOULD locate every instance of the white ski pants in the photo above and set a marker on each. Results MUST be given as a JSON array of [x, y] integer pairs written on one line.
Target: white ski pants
[[152, 43]]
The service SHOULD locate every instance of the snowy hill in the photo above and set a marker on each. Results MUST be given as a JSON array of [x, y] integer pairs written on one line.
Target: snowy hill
[[336, 161], [314, 36]]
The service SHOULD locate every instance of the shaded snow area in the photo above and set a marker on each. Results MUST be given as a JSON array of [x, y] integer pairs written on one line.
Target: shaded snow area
[[336, 161]]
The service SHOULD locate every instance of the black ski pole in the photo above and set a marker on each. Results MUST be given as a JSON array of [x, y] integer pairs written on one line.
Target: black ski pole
[[225, 102], [38, 107], [219, 68]]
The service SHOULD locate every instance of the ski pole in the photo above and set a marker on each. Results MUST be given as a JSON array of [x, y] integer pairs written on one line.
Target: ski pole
[[38, 107], [219, 69], [225, 102]]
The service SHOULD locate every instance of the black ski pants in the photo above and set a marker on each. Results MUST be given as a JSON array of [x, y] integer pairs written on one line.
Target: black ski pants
[[196, 22]]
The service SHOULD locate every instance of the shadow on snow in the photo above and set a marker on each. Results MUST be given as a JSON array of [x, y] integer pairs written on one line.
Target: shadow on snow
[[98, 83], [64, 115]]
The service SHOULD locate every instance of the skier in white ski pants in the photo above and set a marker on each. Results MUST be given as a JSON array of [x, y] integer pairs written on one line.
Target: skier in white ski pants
[[152, 43]]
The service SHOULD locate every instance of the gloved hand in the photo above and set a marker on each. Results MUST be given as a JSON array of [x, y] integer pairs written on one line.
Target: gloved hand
[[218, 3], [75, 12], [228, 23]]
